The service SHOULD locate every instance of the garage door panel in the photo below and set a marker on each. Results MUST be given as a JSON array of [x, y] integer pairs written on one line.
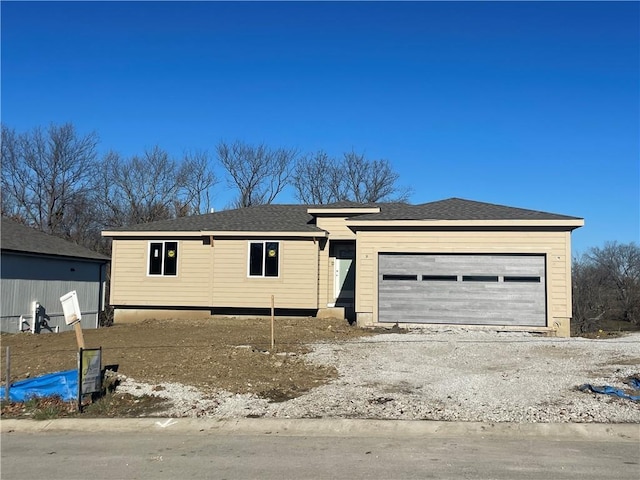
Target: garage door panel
[[464, 289], [462, 264]]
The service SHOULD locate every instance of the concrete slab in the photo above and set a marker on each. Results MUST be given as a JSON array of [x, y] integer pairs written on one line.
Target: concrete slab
[[333, 427]]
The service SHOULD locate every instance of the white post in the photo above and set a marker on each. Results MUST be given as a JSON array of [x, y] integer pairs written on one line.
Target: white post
[[34, 316]]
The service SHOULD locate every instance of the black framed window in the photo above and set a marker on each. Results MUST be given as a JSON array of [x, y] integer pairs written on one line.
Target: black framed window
[[439, 278], [522, 279], [264, 259], [163, 258], [479, 278], [392, 276]]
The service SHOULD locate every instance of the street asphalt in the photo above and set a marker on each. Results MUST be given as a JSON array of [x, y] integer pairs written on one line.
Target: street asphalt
[[280, 449]]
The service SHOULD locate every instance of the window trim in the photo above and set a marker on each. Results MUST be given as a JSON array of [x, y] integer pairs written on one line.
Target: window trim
[[162, 263], [264, 258]]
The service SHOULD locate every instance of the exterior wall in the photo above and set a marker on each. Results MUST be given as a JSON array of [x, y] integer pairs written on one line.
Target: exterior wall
[[213, 275], [295, 287], [338, 230], [132, 286], [30, 278], [325, 275], [336, 227], [555, 245]]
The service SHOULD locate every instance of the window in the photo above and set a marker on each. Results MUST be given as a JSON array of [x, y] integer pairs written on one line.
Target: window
[[390, 276], [264, 259], [522, 279], [479, 278], [163, 258], [439, 278]]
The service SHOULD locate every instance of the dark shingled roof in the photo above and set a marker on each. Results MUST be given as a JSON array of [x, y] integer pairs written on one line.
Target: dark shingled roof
[[19, 238], [458, 209], [294, 218], [261, 218]]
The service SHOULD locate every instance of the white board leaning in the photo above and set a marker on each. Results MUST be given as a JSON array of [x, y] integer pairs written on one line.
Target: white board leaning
[[71, 308]]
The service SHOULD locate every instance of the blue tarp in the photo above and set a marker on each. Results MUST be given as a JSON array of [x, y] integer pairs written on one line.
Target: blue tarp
[[607, 390], [61, 384]]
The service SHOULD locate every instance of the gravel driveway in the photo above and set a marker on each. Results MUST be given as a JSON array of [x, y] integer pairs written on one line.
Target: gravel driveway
[[447, 375]]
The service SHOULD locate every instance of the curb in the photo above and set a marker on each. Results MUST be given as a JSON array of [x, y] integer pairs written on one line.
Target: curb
[[618, 432]]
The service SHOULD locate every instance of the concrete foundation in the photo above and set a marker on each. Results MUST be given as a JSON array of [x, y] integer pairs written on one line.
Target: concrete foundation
[[331, 312], [136, 315], [364, 319]]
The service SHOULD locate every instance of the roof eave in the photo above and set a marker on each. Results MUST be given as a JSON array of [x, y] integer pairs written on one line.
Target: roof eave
[[227, 233], [103, 259], [343, 210], [145, 233], [563, 223], [215, 233]]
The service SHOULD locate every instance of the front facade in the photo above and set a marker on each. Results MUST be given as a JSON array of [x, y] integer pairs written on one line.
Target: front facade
[[36, 270], [454, 262]]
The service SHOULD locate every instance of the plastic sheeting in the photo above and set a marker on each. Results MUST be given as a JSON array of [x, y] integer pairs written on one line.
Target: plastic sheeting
[[607, 390], [62, 384]]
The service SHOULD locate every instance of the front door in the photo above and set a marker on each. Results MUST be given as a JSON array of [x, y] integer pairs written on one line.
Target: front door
[[345, 275]]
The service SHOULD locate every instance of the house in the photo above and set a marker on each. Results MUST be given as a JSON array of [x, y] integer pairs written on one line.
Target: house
[[36, 269], [453, 261]]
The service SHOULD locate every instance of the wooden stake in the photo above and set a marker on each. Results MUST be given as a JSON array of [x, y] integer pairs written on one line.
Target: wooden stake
[[272, 320], [79, 336], [7, 375]]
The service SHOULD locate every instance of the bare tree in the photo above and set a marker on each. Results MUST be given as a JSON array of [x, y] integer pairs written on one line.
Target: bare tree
[[198, 179], [258, 172], [153, 187], [317, 179], [589, 295], [606, 286], [47, 176], [321, 179], [370, 181], [139, 189], [621, 266]]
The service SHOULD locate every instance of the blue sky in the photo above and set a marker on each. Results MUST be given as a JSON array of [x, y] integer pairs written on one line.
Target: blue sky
[[528, 104]]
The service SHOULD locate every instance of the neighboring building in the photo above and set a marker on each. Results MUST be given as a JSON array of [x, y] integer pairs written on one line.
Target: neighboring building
[[36, 269], [453, 261]]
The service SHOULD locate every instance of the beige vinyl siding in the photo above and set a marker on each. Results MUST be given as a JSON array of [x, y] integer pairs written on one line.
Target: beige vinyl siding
[[338, 230], [295, 287], [336, 227], [325, 270], [555, 245], [131, 286]]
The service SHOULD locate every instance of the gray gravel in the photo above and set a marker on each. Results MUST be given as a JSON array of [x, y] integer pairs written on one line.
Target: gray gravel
[[451, 375]]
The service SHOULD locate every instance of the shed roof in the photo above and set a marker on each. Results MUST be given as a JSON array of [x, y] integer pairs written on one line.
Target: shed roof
[[16, 237], [459, 209], [261, 218], [296, 218]]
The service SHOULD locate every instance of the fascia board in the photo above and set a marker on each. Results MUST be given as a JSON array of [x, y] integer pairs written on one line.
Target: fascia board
[[572, 223], [343, 211], [139, 233], [226, 233], [207, 233]]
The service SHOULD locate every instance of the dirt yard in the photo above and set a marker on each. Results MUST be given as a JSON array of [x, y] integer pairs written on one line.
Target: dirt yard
[[225, 368], [233, 354]]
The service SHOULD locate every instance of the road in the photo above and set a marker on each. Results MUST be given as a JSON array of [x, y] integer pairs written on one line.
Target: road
[[170, 452]]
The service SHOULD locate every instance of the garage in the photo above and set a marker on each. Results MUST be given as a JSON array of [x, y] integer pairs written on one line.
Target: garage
[[469, 289]]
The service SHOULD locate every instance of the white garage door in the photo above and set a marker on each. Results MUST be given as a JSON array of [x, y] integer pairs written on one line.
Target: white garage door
[[462, 289]]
